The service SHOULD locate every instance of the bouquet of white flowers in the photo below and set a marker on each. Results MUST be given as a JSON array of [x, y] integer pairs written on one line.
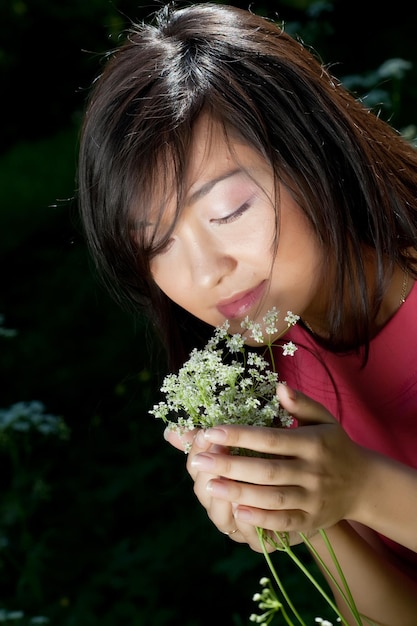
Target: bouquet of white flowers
[[228, 383], [210, 389]]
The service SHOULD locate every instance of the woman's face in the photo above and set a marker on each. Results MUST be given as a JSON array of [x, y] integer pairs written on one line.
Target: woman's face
[[221, 262]]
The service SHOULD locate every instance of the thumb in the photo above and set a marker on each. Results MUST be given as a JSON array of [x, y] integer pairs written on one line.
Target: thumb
[[303, 408]]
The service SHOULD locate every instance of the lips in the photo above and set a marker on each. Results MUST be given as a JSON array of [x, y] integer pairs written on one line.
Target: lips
[[241, 303]]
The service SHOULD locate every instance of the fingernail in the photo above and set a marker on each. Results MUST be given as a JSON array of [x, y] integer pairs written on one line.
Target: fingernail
[[244, 515], [166, 433], [292, 395], [203, 462], [217, 489], [215, 435]]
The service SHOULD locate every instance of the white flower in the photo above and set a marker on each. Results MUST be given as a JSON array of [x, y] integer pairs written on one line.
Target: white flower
[[254, 327], [291, 318], [288, 349], [270, 321], [235, 343]]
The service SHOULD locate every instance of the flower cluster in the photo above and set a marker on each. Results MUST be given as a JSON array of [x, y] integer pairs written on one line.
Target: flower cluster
[[270, 605], [225, 383]]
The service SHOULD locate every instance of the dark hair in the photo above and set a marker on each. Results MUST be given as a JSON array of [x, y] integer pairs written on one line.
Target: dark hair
[[352, 174]]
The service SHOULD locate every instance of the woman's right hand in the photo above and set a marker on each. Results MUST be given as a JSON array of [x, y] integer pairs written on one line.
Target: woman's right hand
[[219, 511]]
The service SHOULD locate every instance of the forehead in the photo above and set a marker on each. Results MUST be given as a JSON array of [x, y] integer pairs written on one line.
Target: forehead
[[217, 153], [212, 147]]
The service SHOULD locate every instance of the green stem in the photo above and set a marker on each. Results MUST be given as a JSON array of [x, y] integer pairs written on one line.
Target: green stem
[[346, 595], [339, 571], [271, 356], [311, 578], [278, 581]]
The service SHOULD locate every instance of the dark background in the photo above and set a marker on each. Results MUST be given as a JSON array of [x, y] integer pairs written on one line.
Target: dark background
[[101, 527]]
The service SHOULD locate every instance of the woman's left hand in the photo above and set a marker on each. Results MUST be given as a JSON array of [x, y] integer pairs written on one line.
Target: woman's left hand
[[311, 479]]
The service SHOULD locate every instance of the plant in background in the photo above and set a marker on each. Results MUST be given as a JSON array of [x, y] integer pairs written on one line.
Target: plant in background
[[17, 618], [25, 429], [6, 332], [23, 426], [228, 383]]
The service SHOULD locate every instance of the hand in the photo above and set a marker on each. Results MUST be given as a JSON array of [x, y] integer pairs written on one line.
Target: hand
[[219, 511], [311, 479]]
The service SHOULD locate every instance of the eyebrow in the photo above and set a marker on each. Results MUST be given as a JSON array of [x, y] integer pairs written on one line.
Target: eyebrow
[[207, 187], [196, 195]]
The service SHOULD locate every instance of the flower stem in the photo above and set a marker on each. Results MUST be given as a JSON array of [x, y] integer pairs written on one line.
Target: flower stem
[[310, 577], [346, 594], [278, 581]]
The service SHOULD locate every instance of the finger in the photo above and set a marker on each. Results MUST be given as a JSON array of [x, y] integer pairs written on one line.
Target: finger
[[302, 407], [250, 534], [301, 443], [251, 469], [182, 441], [271, 498], [247, 533], [201, 446], [220, 512], [294, 520]]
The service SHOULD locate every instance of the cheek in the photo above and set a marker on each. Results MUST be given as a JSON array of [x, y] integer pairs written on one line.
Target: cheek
[[169, 277], [257, 238], [297, 240]]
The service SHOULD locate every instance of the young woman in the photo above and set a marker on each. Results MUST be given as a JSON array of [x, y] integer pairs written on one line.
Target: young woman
[[222, 172]]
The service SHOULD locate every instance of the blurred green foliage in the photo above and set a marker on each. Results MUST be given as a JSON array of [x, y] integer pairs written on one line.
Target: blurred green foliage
[[98, 522]]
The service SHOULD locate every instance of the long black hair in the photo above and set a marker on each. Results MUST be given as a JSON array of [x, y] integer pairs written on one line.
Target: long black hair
[[352, 174]]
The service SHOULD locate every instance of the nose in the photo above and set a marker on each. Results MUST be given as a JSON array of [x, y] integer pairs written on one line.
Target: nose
[[209, 263]]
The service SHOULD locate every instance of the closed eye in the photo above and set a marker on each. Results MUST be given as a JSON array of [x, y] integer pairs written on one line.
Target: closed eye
[[233, 216]]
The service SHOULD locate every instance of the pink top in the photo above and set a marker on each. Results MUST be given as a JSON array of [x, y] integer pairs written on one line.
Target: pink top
[[376, 404]]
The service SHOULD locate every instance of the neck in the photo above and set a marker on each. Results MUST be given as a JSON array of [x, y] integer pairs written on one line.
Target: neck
[[394, 297]]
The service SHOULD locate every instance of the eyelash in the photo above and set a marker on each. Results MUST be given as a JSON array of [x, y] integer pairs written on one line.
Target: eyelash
[[223, 220], [233, 216]]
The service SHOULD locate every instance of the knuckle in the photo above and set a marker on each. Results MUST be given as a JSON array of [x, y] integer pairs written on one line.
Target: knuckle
[[279, 499], [271, 437], [271, 469]]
